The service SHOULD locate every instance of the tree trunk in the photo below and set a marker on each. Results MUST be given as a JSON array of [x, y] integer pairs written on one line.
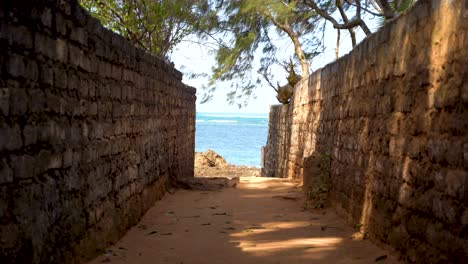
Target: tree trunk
[[305, 67], [337, 48]]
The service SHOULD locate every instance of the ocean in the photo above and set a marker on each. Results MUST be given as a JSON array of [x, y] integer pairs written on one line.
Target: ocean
[[237, 137]]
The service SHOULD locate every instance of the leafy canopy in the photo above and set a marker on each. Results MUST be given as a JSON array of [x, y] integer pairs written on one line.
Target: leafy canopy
[[155, 26], [250, 26], [245, 31]]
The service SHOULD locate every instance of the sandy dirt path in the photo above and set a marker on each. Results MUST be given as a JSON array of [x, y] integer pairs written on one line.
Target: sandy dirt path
[[252, 223]]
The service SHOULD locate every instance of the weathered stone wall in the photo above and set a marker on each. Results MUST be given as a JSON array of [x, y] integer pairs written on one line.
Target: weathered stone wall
[[92, 131], [392, 115], [275, 151]]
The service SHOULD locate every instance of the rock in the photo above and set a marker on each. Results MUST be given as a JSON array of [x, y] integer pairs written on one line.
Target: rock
[[209, 159], [211, 164]]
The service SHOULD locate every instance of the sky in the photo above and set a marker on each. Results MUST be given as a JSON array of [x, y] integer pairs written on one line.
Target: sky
[[191, 57]]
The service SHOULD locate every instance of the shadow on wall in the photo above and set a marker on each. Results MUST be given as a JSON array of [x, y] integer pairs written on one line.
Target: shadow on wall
[[277, 146], [392, 117]]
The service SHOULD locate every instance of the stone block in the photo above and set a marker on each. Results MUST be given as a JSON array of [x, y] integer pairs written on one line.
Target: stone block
[[443, 209], [455, 182], [105, 69], [465, 155], [404, 104], [406, 194], [19, 36], [464, 91], [5, 100], [397, 146], [437, 149], [11, 233], [448, 94], [10, 137], [78, 57], [464, 217], [62, 48], [23, 166], [398, 237], [49, 160], [74, 81], [423, 202], [393, 123], [84, 88], [415, 147], [60, 78], [16, 66], [30, 135], [44, 45], [19, 102], [455, 153], [417, 225], [79, 35], [46, 74], [67, 158], [6, 176], [117, 72]]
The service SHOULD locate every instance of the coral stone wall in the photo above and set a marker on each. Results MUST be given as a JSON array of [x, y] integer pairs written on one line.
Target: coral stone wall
[[92, 131], [275, 151], [392, 116]]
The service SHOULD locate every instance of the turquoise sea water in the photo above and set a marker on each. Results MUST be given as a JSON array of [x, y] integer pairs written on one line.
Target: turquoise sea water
[[236, 137]]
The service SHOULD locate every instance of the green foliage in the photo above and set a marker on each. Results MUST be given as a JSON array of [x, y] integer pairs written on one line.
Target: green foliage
[[155, 26], [398, 7]]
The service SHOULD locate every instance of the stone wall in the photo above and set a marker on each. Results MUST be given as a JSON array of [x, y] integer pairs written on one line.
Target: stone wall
[[274, 153], [92, 131], [392, 116]]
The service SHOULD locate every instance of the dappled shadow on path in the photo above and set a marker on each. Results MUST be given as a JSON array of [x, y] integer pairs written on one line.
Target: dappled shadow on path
[[260, 221]]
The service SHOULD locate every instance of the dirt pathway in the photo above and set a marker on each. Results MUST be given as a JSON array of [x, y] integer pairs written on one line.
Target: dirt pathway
[[253, 223]]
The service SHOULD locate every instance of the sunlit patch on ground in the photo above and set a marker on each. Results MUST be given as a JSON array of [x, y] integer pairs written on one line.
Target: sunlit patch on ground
[[326, 243]]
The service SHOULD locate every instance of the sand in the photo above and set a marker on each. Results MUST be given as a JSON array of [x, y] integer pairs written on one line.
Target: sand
[[261, 220]]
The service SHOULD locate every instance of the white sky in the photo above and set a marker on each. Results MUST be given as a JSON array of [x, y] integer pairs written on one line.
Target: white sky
[[190, 57]]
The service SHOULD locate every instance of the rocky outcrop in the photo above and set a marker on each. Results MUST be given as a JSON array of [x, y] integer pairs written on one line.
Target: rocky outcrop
[[211, 164], [209, 158]]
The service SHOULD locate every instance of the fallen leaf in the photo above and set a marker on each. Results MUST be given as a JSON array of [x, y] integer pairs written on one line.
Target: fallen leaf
[[220, 213], [152, 232], [381, 258], [205, 224], [166, 234], [257, 227], [193, 216], [291, 198]]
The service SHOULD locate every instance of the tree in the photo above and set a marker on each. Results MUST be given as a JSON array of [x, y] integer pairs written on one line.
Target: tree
[[155, 26], [248, 26], [240, 28]]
